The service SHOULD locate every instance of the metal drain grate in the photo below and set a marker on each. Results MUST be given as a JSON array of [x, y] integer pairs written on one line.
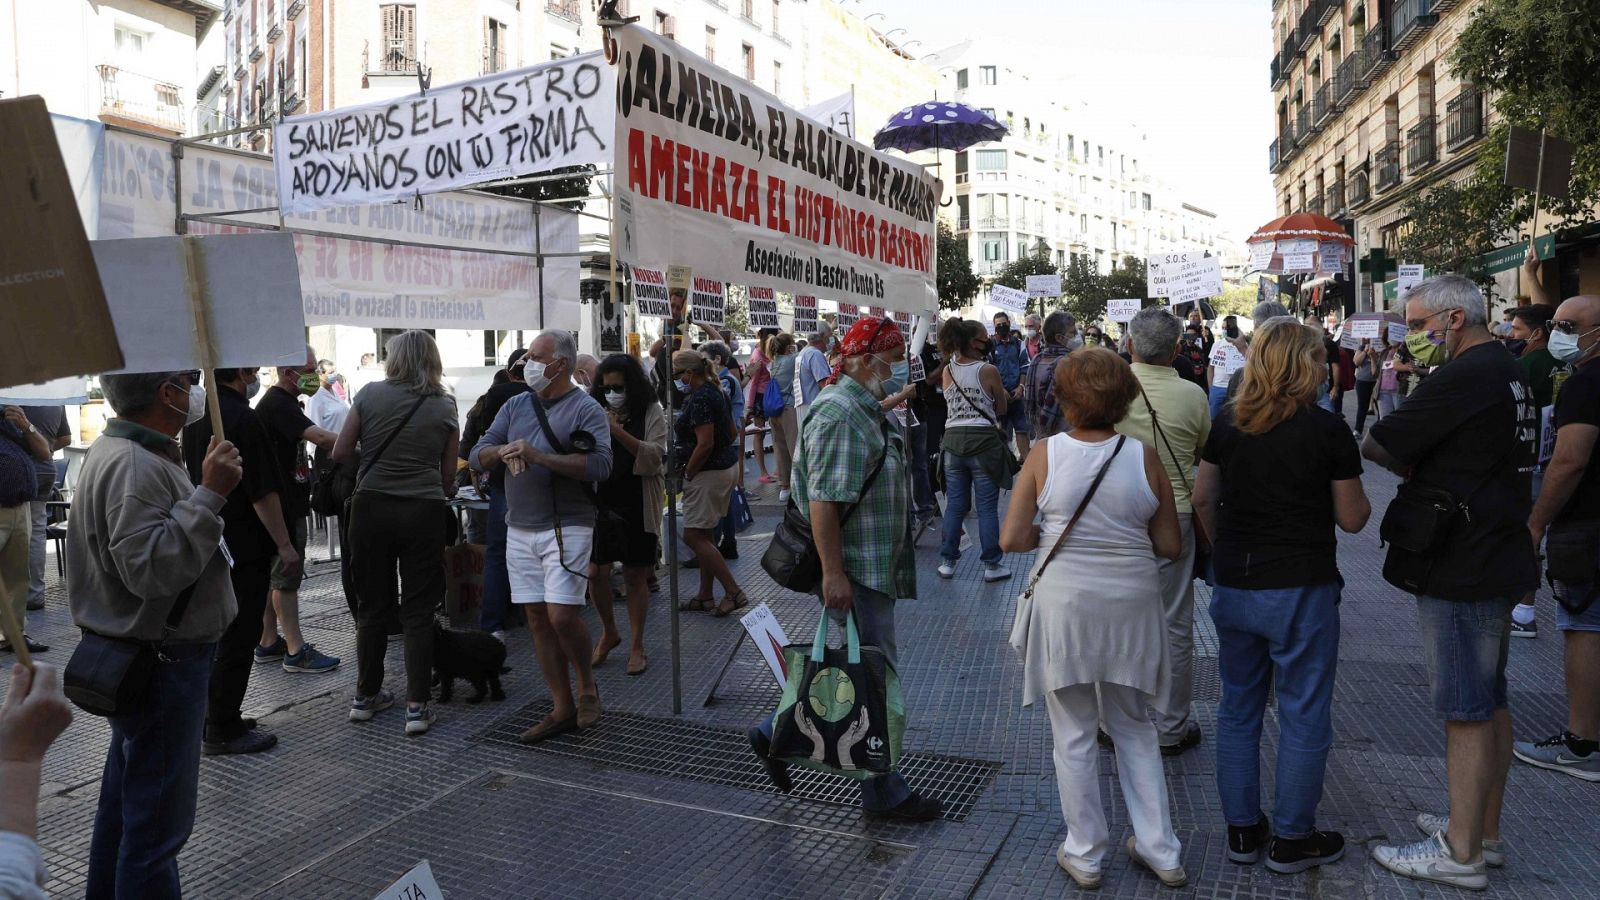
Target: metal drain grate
[[722, 756]]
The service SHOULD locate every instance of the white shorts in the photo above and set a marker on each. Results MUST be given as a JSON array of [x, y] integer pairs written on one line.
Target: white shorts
[[535, 567]]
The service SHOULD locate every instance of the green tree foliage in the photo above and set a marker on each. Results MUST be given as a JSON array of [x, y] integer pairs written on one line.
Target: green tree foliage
[[1015, 274], [957, 282], [1540, 61], [736, 318]]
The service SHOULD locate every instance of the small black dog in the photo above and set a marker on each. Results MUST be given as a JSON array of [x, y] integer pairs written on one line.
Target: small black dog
[[473, 656]]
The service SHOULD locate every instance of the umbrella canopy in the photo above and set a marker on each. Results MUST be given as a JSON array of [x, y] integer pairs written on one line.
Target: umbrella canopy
[[939, 125], [1301, 227]]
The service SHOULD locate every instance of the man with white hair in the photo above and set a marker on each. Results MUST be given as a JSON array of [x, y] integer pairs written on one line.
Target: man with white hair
[[1171, 417], [583, 371], [1464, 441]]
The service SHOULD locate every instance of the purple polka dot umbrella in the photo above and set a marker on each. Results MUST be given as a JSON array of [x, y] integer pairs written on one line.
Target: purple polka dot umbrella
[[938, 124]]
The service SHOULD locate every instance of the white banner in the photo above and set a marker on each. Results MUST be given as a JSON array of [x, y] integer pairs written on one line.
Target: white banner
[[1193, 280], [1299, 262], [805, 312], [650, 293], [709, 299], [1155, 275], [716, 174], [499, 126], [761, 303], [1044, 285], [838, 113], [345, 280], [1366, 328], [1123, 310], [1009, 299]]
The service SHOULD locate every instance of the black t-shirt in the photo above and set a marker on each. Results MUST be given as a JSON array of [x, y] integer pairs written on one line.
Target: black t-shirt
[[926, 402], [706, 406], [247, 538], [1470, 428], [286, 425], [1275, 516], [1579, 404]]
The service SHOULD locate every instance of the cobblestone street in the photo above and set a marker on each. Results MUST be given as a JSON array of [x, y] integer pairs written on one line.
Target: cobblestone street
[[649, 804]]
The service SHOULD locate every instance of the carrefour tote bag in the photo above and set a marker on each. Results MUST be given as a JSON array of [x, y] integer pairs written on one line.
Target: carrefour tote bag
[[842, 710]]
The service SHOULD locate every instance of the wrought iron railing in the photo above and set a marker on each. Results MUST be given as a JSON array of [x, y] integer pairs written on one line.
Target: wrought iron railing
[[1463, 117], [1422, 150], [1386, 163], [141, 98]]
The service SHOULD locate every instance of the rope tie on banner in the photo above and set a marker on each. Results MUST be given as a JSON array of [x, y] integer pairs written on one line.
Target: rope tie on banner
[[609, 18]]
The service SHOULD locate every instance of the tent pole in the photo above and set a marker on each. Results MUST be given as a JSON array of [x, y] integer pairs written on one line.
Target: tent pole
[[538, 258]]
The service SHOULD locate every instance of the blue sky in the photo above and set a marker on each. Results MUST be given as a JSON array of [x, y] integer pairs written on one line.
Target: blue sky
[[1191, 73]]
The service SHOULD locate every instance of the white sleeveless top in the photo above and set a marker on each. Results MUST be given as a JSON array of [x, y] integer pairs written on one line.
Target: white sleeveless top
[[1118, 518], [966, 401]]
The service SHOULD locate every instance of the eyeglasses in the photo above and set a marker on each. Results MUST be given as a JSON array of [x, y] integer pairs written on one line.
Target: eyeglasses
[[1420, 324], [1568, 326]]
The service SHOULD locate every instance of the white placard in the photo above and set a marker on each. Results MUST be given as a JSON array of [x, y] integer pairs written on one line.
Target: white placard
[[805, 312], [762, 305], [1366, 329], [1261, 256], [709, 299], [1410, 275], [250, 287], [1226, 358], [1194, 280], [1044, 285], [767, 633], [543, 117], [1123, 310], [722, 176], [1009, 299], [902, 320], [417, 884], [918, 371], [1299, 262], [847, 315], [1299, 245], [650, 293], [838, 113], [1155, 278], [1330, 257], [1397, 333]]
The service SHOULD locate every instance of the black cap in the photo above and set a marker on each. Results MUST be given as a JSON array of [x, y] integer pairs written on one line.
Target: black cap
[[516, 356]]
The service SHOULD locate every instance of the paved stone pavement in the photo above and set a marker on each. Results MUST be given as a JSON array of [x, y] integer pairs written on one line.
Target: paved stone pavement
[[649, 804]]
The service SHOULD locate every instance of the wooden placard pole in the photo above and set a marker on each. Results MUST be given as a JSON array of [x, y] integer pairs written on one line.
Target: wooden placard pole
[[205, 350]]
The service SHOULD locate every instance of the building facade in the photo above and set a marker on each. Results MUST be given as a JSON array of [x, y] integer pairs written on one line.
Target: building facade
[[1065, 176], [135, 63]]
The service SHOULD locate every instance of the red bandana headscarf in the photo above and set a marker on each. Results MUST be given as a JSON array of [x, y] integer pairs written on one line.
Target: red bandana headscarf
[[869, 334]]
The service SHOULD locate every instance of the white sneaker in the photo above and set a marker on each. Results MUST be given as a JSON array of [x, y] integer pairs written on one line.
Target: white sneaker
[[995, 572], [947, 570], [1430, 860], [1174, 877], [783, 496], [1494, 852], [499, 636]]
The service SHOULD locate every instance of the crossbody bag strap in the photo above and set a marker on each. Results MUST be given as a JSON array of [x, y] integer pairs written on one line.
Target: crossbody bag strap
[[1183, 470], [1033, 581], [558, 446], [865, 485], [367, 466]]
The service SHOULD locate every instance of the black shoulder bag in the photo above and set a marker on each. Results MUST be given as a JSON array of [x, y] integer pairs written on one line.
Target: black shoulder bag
[[610, 529], [1418, 521], [110, 676], [791, 558]]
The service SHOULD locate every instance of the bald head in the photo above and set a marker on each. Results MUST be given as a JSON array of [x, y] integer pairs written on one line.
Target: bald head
[[1580, 317]]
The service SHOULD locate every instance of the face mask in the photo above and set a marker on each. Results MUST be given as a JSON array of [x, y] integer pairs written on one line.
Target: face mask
[[682, 386], [1564, 347], [1425, 351], [616, 398], [1001, 329], [1031, 333], [533, 374], [197, 405], [1516, 347], [251, 390], [309, 383], [899, 372]]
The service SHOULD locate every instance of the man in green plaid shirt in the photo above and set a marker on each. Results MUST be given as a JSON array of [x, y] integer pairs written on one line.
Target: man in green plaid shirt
[[867, 561]]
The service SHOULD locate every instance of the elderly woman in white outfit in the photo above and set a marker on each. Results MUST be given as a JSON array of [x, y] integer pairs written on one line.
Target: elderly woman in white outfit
[[1090, 625]]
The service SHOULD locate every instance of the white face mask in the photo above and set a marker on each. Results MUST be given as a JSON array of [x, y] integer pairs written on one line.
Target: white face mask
[[616, 399], [1030, 333], [197, 405], [533, 374]]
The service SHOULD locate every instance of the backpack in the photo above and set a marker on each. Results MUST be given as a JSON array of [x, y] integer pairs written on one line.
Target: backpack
[[772, 404]]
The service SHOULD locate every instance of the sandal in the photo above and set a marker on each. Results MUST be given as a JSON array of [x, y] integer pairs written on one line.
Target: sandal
[[697, 604], [639, 668], [740, 601]]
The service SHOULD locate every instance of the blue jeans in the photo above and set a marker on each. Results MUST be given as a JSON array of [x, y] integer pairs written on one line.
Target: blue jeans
[[1219, 396], [1294, 631], [496, 583], [922, 500], [963, 476], [1466, 644], [150, 783], [875, 626]]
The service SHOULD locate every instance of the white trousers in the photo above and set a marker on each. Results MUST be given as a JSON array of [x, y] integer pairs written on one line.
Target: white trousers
[[1073, 721]]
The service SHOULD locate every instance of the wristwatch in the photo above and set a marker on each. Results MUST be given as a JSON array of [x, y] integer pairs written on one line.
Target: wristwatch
[[31, 429]]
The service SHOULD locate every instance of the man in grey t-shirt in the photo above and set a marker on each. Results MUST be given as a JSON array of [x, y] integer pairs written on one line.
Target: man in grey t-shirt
[[550, 518], [51, 423]]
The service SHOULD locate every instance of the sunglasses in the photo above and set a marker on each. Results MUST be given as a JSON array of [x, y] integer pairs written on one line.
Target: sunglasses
[[1568, 326]]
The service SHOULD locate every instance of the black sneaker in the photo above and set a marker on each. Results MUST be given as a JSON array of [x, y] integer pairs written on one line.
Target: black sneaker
[[246, 741], [729, 549], [777, 769], [1288, 856], [1246, 841], [915, 808], [1189, 741], [1519, 630]]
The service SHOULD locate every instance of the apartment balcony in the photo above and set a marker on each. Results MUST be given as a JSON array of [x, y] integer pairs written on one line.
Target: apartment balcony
[[1378, 55], [1356, 189], [571, 10], [1286, 144], [290, 92], [1288, 54], [1333, 198], [1443, 6], [256, 53], [1306, 33], [1317, 14], [141, 99], [294, 10], [1408, 21], [1273, 162], [1327, 10], [994, 223], [1302, 126], [1422, 146], [1322, 108], [1463, 118], [1314, 206], [964, 223], [1350, 79], [1278, 75], [1386, 163], [239, 72], [395, 62], [275, 32]]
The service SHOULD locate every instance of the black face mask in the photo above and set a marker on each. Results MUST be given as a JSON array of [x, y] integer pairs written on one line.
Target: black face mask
[[1516, 347]]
